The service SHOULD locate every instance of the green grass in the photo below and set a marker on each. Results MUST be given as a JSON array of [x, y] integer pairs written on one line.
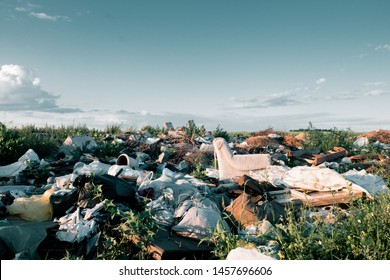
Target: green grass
[[362, 234]]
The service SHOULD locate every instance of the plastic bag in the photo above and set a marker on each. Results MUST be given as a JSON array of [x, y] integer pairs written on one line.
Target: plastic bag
[[34, 208], [120, 190]]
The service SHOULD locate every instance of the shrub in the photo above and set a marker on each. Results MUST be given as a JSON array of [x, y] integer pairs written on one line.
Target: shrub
[[155, 131], [219, 132], [362, 234], [15, 142], [104, 151], [191, 131], [129, 239], [326, 140]]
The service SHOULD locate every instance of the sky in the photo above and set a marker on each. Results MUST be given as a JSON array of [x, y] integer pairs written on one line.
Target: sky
[[244, 65]]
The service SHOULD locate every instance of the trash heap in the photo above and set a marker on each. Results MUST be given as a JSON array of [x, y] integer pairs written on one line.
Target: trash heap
[[175, 178]]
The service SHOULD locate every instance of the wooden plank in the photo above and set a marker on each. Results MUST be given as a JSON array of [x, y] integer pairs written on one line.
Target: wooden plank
[[344, 195], [303, 152], [330, 156], [313, 156], [167, 245], [284, 197]]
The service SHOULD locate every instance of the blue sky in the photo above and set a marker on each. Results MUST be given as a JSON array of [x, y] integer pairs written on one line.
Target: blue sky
[[246, 65]]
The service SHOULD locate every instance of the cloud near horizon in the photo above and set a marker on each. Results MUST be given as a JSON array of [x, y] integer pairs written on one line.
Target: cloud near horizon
[[385, 47], [30, 9], [320, 81], [20, 89], [101, 119], [44, 16], [296, 96], [374, 84], [376, 92]]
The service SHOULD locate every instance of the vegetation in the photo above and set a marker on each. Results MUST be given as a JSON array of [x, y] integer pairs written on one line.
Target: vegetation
[[130, 238], [219, 132], [327, 139], [155, 131], [224, 241], [361, 233], [191, 131]]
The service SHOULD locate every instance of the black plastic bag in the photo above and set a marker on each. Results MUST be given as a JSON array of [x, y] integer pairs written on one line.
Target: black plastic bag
[[63, 201], [117, 189]]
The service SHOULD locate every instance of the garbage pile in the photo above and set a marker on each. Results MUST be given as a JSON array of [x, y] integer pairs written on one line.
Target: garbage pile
[[177, 180]]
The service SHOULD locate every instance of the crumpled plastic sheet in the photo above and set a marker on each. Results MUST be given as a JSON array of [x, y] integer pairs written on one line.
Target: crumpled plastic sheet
[[74, 228], [23, 239], [15, 168], [122, 170], [200, 222], [18, 190], [361, 142], [65, 181], [168, 179], [196, 200], [373, 184], [162, 208], [33, 208], [96, 167], [174, 194]]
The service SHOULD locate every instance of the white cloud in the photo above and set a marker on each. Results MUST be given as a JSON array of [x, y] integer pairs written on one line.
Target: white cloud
[[385, 47], [345, 96], [44, 16], [30, 9], [244, 99], [281, 100], [362, 55], [21, 9], [20, 89], [374, 84], [376, 92], [320, 81]]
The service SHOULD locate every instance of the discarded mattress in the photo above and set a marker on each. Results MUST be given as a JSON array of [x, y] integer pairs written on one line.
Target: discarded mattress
[[272, 174], [314, 179]]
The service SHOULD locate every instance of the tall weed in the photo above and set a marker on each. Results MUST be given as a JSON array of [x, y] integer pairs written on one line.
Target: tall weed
[[361, 234], [328, 139]]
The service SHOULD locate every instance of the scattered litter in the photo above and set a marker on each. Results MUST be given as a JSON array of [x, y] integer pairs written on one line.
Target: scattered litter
[[374, 184], [74, 143], [190, 186], [241, 253], [16, 168], [34, 208]]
